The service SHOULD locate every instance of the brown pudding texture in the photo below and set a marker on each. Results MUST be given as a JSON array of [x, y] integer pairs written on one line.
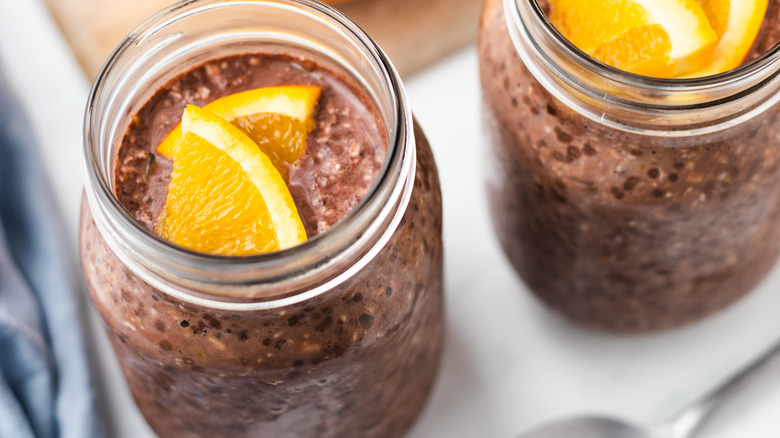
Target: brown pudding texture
[[357, 361], [620, 231], [344, 151]]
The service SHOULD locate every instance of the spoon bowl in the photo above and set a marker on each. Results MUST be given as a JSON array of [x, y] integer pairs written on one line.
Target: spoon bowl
[[593, 427]]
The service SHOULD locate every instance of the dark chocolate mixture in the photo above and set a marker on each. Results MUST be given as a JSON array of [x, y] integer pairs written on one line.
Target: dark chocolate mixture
[[344, 152]]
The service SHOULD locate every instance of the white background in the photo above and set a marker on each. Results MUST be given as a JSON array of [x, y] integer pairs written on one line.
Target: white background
[[509, 364]]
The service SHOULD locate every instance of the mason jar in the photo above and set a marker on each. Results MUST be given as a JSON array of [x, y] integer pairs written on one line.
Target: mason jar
[[628, 203], [337, 337]]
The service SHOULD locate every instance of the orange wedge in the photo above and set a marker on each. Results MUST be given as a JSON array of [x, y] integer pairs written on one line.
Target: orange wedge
[[737, 22], [662, 38], [226, 196], [278, 119]]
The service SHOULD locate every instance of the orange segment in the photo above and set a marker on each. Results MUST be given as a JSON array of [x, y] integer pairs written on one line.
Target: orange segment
[[642, 50], [590, 23], [226, 196], [282, 138], [678, 33], [283, 114], [717, 12], [737, 22]]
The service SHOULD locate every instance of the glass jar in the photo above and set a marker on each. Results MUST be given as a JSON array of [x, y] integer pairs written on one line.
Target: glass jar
[[627, 203], [337, 337]]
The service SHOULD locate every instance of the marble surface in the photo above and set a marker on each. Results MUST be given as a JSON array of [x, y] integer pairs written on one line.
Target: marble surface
[[509, 363]]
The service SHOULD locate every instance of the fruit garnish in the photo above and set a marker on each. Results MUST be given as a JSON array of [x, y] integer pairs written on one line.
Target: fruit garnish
[[737, 22], [661, 38], [225, 196], [278, 119]]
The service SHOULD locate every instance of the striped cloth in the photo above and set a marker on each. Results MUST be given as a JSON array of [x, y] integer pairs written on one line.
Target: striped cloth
[[45, 385]]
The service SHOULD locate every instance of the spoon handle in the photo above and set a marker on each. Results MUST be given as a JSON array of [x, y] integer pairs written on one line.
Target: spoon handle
[[689, 420]]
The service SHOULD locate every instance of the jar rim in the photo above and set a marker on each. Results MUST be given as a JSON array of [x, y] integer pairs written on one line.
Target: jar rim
[[632, 92], [251, 271]]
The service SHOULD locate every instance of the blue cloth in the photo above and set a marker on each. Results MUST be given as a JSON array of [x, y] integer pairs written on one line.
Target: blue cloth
[[45, 385]]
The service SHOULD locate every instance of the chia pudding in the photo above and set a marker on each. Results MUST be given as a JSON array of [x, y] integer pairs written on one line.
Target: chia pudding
[[356, 361], [617, 229]]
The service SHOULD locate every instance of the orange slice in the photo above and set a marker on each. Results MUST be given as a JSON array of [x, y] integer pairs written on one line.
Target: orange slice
[[661, 38], [737, 22], [225, 195], [278, 119]]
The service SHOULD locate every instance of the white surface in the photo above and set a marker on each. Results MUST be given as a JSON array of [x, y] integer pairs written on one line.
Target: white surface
[[508, 364]]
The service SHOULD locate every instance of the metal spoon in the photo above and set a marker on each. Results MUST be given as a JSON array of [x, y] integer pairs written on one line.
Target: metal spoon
[[684, 425]]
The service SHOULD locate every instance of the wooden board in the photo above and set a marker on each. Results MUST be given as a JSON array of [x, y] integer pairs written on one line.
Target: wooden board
[[414, 33]]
